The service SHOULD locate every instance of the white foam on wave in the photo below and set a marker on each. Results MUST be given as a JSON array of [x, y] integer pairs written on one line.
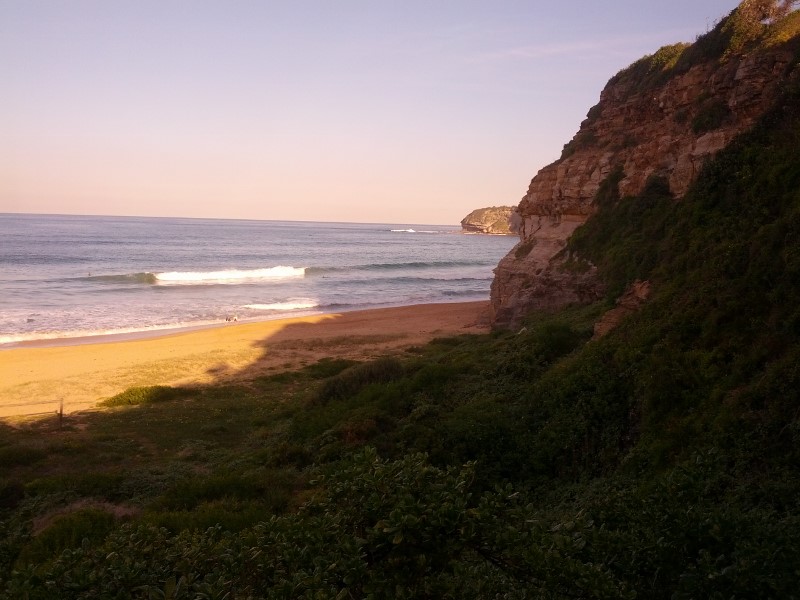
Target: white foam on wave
[[402, 231], [232, 276], [298, 304]]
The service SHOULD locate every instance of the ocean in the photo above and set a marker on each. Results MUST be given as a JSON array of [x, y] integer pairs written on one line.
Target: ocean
[[66, 277]]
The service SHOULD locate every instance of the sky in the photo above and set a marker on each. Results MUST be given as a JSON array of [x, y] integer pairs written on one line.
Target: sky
[[374, 111]]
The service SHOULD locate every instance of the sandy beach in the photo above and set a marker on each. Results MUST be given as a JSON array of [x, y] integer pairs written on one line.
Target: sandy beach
[[37, 380]]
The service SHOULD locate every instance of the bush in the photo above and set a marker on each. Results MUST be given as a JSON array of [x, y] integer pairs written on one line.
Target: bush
[[102, 485], [146, 395], [67, 531], [272, 488], [652, 70], [328, 367], [22, 455], [524, 248], [11, 492], [229, 514], [712, 115], [352, 380]]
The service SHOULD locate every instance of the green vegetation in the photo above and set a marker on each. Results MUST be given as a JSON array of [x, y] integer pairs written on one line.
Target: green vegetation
[[753, 25], [661, 461], [711, 115], [145, 395], [525, 248], [652, 70], [583, 139]]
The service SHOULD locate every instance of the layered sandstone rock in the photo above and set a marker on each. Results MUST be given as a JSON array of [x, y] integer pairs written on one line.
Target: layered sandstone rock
[[494, 220], [669, 130]]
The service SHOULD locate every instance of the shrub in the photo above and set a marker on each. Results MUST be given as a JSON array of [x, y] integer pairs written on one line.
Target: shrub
[[524, 248], [103, 485], [21, 455], [712, 115], [271, 488], [67, 531], [146, 395], [353, 379], [652, 70], [328, 367], [11, 492], [228, 514]]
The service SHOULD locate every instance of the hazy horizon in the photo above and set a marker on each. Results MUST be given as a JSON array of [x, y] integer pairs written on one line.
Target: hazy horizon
[[308, 221], [355, 112]]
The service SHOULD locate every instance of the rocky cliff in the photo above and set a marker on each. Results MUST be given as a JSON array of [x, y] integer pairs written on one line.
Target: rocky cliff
[[495, 220], [663, 116]]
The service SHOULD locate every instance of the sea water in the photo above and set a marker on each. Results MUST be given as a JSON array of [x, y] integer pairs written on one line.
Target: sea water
[[73, 276]]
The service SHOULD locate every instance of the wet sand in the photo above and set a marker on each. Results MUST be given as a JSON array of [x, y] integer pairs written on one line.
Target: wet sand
[[37, 380]]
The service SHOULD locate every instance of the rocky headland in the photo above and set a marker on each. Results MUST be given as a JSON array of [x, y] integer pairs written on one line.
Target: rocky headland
[[493, 220], [663, 117]]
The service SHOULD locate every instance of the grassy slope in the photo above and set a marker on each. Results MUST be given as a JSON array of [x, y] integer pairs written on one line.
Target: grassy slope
[[661, 461]]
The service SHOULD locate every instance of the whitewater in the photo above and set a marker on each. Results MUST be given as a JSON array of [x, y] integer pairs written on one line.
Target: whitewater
[[64, 277]]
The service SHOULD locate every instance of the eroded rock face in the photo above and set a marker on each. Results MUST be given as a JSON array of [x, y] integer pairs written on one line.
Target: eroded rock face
[[670, 131], [633, 298], [531, 277], [494, 220]]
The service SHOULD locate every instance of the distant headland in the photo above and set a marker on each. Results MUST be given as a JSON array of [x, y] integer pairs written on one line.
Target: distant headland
[[493, 220]]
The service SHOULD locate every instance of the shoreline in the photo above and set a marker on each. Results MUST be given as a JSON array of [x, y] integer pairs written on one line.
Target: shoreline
[[171, 330], [36, 377], [143, 334]]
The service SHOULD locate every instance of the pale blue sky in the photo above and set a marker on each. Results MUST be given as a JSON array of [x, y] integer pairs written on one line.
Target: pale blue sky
[[369, 111]]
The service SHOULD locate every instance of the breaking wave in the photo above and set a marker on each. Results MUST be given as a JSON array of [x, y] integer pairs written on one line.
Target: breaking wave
[[231, 276], [298, 304]]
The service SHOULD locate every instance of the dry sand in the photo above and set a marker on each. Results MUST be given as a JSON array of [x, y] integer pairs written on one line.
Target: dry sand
[[37, 379]]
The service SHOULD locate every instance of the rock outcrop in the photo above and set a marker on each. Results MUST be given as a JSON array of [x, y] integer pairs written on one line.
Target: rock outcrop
[[633, 298], [494, 220], [651, 120]]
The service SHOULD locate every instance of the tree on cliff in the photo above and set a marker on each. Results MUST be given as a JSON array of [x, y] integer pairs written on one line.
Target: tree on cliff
[[766, 10], [748, 21]]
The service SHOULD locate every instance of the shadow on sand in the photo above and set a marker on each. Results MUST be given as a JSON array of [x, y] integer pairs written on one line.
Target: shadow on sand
[[288, 346]]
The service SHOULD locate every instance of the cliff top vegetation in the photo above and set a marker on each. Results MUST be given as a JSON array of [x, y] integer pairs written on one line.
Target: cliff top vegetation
[[753, 25]]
